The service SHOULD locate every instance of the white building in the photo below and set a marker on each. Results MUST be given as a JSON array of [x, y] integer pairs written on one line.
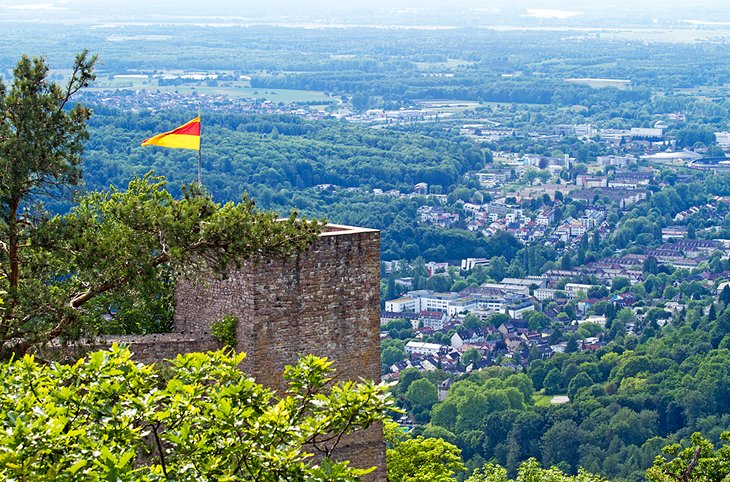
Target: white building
[[472, 208], [574, 288], [723, 139], [647, 132], [518, 309], [405, 304], [597, 319], [545, 294], [427, 300], [420, 348], [546, 217], [469, 264], [462, 306], [577, 229], [428, 320]]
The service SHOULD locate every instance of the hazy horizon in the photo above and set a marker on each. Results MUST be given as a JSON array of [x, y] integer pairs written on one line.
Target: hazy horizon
[[376, 12]]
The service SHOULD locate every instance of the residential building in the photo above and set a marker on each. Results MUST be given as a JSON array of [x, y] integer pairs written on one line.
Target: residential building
[[421, 348], [407, 304]]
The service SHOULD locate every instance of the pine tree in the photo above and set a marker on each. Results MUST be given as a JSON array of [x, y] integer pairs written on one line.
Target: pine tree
[[712, 314]]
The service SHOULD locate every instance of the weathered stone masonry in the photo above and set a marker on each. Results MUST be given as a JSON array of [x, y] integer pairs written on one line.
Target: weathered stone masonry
[[325, 301]]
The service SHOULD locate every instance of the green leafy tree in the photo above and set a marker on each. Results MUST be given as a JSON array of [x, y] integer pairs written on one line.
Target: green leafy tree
[[691, 231], [225, 331], [406, 378], [559, 442], [40, 153], [579, 381], [651, 265], [472, 322], [470, 356], [619, 283], [523, 383], [391, 292], [391, 355], [497, 319], [422, 394], [423, 460], [108, 417], [553, 382], [725, 295], [700, 462], [565, 262], [440, 282], [444, 415], [571, 346], [116, 241], [530, 471]]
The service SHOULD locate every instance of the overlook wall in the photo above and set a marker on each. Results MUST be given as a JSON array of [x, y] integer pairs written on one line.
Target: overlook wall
[[325, 301]]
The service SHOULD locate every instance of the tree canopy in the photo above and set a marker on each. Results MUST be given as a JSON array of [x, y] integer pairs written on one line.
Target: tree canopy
[[122, 242], [200, 418]]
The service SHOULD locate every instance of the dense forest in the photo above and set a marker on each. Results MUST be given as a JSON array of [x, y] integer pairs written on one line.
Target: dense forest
[[280, 161], [628, 400], [282, 154]]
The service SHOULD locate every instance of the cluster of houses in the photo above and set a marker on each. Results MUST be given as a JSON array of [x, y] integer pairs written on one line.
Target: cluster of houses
[[509, 212], [437, 216], [430, 313], [516, 340], [542, 225]]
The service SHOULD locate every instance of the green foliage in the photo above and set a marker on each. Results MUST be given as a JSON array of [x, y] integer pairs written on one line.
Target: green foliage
[[225, 331], [559, 442], [619, 283], [423, 460], [700, 462], [400, 328], [553, 382], [530, 471], [392, 351], [116, 241], [40, 140], [422, 394], [40, 153], [470, 356], [109, 418], [581, 380]]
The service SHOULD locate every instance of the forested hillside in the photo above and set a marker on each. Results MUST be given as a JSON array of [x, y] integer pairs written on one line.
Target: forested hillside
[[280, 161]]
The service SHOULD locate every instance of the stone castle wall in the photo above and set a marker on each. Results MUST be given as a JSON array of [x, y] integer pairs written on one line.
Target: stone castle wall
[[325, 301]]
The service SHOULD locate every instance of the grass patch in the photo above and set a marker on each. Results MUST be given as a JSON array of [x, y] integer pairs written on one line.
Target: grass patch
[[540, 400]]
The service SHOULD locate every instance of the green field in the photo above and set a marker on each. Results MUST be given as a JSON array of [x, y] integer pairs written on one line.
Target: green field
[[225, 88], [541, 400]]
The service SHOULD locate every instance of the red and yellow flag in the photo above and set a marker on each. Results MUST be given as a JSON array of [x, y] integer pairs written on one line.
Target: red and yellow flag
[[187, 136]]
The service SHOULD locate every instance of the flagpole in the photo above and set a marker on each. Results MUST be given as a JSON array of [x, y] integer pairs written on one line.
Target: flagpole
[[200, 156]]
